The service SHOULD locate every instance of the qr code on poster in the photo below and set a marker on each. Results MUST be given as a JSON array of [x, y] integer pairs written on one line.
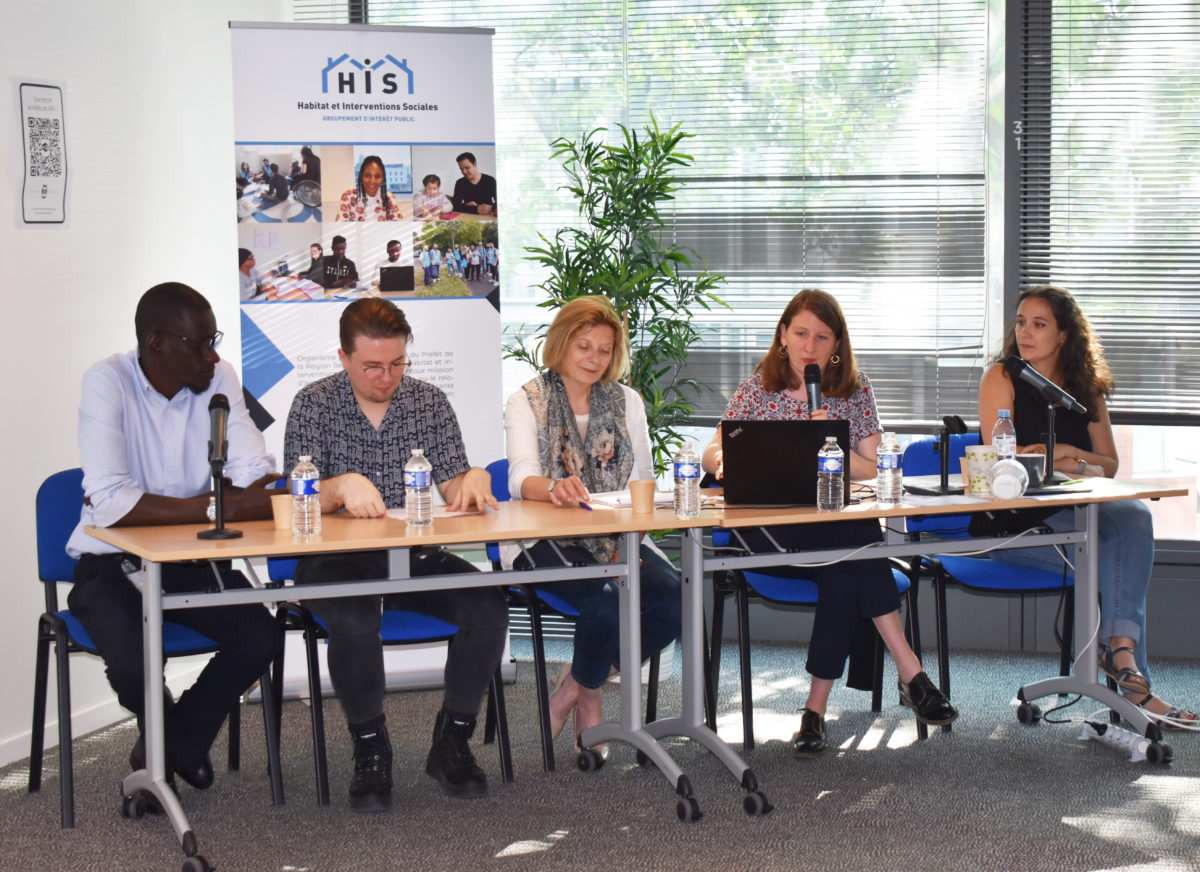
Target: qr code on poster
[[45, 147]]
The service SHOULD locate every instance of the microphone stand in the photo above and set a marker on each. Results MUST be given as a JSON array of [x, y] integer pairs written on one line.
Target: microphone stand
[[1051, 477], [220, 531], [942, 448]]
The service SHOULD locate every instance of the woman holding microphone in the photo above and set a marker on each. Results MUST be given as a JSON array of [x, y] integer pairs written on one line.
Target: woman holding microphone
[[812, 330]]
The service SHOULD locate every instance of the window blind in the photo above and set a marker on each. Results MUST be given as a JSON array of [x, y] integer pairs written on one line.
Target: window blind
[[837, 145], [1107, 147]]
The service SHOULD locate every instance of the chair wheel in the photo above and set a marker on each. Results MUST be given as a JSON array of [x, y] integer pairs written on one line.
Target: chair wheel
[[196, 864], [755, 803], [688, 810], [1028, 713], [1159, 753], [133, 807], [641, 758], [589, 760]]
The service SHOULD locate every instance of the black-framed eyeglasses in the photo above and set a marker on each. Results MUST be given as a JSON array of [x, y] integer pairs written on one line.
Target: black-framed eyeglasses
[[379, 369], [200, 344]]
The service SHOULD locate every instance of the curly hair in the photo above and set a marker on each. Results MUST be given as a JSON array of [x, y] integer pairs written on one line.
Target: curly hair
[[839, 379], [1086, 375]]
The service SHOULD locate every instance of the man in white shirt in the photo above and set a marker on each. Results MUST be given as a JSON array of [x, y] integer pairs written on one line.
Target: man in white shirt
[[143, 443]]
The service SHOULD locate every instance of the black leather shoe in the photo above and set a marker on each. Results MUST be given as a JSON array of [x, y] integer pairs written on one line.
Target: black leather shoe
[[137, 760], [201, 777], [450, 761], [927, 702], [371, 786], [810, 741]]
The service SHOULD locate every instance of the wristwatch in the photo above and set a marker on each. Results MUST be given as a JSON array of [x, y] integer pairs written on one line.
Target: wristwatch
[[1082, 466], [553, 484], [211, 511]]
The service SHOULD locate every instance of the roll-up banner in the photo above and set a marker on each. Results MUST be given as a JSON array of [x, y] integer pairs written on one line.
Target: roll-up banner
[[365, 165]]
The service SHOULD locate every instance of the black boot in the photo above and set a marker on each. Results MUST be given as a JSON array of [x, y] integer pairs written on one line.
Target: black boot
[[371, 786], [810, 740], [450, 761], [930, 704]]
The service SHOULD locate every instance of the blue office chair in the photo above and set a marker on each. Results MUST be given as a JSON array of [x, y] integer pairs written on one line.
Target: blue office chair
[[540, 600], [978, 574], [57, 506], [780, 590], [398, 627]]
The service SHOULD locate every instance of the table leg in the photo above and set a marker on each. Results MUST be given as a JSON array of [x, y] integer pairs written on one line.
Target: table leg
[[1082, 679], [153, 779]]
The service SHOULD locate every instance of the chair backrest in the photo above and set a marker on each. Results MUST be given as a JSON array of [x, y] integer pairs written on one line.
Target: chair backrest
[[498, 469], [58, 506], [921, 459]]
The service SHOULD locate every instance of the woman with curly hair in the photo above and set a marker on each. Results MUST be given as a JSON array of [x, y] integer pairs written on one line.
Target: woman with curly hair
[[370, 200], [1053, 336], [573, 431]]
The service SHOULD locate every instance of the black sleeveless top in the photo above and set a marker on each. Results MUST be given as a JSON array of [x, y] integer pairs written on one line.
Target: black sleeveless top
[[1029, 419]]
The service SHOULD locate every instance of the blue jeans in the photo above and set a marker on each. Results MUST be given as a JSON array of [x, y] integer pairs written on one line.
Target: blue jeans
[[1124, 562], [598, 628]]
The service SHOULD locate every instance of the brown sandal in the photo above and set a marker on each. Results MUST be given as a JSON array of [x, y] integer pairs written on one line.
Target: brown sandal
[[1126, 677]]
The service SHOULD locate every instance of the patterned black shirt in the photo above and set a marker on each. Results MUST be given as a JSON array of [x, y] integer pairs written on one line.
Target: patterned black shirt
[[326, 422]]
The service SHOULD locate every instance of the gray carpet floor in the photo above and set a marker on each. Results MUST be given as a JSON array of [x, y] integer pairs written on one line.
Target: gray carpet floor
[[991, 795]]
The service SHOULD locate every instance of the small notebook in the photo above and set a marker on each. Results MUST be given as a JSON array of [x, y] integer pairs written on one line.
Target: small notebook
[[774, 463]]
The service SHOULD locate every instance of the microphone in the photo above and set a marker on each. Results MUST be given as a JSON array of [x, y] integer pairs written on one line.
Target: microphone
[[218, 445], [812, 381], [1018, 368]]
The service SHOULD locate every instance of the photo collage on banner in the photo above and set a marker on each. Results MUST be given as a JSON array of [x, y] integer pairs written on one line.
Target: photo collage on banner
[[365, 165]]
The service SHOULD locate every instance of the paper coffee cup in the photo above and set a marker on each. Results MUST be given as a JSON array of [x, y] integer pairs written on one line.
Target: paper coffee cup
[[641, 494], [281, 509]]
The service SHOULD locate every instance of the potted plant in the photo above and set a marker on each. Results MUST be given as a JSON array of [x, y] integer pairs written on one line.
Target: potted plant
[[622, 252]]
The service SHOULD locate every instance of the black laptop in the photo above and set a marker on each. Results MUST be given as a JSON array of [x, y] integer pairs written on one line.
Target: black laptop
[[774, 463], [396, 278]]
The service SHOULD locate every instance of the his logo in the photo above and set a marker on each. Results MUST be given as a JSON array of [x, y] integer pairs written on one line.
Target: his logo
[[365, 77]]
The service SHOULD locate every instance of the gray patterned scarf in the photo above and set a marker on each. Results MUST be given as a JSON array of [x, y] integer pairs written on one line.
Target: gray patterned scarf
[[603, 460]]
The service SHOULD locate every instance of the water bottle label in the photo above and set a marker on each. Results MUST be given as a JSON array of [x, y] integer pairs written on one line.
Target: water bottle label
[[418, 478], [829, 464], [305, 487], [687, 470], [888, 461]]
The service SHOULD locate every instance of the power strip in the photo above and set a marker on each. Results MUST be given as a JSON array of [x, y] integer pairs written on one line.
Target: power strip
[[1116, 737]]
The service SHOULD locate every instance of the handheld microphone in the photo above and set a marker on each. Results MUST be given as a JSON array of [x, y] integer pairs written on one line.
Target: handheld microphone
[[1018, 368], [218, 445], [812, 381]]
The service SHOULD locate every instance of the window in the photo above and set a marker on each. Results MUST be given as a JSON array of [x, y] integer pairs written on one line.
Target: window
[[837, 145], [1103, 152]]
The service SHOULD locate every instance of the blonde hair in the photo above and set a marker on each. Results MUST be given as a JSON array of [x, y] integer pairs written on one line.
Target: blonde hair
[[579, 314]]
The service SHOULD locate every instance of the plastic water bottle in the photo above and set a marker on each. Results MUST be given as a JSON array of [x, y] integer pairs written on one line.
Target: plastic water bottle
[[889, 486], [306, 498], [1004, 436], [418, 489], [831, 466], [687, 482]]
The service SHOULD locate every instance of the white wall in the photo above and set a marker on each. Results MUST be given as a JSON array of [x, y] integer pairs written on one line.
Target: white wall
[[149, 129]]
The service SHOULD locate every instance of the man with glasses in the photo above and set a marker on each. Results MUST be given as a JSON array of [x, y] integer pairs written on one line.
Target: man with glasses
[[143, 441], [360, 426]]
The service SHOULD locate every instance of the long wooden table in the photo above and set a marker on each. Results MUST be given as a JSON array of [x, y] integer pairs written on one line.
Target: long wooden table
[[519, 520]]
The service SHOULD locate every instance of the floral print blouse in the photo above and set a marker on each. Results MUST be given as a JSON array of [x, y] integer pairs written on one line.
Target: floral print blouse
[[752, 402], [354, 209]]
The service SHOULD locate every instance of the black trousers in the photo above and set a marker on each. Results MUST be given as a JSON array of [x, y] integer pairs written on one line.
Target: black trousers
[[110, 608], [355, 649], [849, 594]]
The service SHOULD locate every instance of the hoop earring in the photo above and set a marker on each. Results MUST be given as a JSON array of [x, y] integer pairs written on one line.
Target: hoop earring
[[782, 352], [835, 360]]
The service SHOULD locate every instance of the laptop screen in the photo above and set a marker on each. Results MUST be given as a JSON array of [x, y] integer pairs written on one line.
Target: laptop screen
[[774, 463]]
